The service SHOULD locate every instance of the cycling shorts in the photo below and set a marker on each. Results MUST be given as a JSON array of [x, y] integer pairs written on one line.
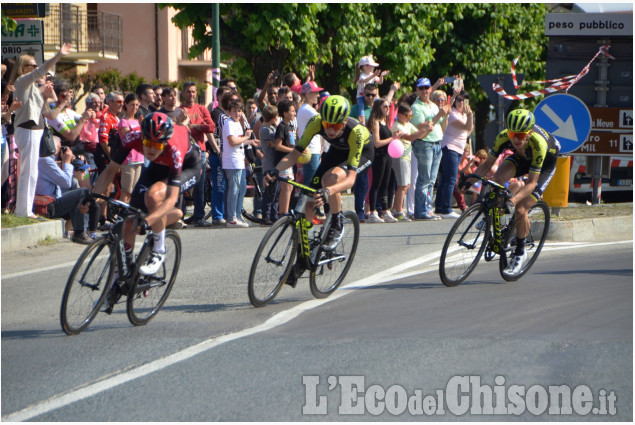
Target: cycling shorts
[[339, 158], [153, 173], [522, 165]]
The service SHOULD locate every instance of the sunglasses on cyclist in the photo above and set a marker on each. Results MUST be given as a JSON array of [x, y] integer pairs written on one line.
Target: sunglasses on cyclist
[[154, 145], [518, 134], [337, 126]]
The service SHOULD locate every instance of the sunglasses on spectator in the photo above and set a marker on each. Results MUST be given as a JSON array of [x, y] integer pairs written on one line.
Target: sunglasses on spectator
[[337, 126], [154, 145], [370, 94], [31, 64], [119, 102], [423, 87], [407, 115], [518, 134]]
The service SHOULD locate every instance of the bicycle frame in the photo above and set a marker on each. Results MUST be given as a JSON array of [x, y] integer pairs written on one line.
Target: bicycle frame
[[492, 202], [303, 225], [115, 234]]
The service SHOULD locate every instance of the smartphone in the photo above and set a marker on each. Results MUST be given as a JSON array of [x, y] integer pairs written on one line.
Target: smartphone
[[449, 80], [276, 74], [466, 102]]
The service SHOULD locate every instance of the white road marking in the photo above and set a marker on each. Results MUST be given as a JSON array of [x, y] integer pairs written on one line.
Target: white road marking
[[49, 268], [279, 319]]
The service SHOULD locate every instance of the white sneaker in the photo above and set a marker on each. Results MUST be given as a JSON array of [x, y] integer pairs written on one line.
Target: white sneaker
[[153, 263], [400, 216], [516, 264], [449, 215], [374, 218], [236, 223], [388, 217]]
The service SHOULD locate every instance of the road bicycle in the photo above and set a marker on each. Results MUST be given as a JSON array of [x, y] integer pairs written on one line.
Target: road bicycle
[[255, 172], [293, 245], [187, 197], [484, 229], [101, 276]]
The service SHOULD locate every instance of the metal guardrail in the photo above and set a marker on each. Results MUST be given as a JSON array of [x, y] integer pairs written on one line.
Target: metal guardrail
[[87, 30]]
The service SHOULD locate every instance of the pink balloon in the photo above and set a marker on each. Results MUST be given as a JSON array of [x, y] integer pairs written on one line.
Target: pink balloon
[[395, 148]]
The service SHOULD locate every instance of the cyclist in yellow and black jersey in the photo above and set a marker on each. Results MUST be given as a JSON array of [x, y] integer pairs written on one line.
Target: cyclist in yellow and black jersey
[[535, 153], [350, 153]]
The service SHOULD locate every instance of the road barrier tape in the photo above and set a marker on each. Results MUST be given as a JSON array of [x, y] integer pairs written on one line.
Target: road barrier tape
[[564, 83]]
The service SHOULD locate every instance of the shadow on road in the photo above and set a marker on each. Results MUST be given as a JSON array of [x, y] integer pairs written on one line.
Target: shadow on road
[[621, 272]]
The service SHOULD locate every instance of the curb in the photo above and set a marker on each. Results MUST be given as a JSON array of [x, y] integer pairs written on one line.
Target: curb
[[25, 236], [603, 229]]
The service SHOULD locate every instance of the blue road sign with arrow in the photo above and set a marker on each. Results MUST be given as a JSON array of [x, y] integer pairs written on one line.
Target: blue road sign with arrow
[[567, 118]]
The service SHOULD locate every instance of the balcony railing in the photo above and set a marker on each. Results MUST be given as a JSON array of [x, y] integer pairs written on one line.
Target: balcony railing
[[87, 30]]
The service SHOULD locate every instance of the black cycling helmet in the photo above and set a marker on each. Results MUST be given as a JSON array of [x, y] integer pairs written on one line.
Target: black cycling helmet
[[520, 121], [335, 109], [157, 126]]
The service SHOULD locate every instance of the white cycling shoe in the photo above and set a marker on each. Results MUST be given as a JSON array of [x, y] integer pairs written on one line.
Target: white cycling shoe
[[516, 264], [153, 263]]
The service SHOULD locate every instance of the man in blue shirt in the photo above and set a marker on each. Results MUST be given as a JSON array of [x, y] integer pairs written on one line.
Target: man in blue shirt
[[53, 180]]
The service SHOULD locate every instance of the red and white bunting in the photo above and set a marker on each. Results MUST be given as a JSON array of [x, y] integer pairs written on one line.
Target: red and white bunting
[[559, 84]]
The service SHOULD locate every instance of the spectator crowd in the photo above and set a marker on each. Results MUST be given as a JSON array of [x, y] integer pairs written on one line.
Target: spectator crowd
[[414, 136]]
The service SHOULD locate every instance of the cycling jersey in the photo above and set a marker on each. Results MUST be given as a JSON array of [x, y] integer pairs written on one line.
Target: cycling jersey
[[542, 146], [173, 156], [354, 139]]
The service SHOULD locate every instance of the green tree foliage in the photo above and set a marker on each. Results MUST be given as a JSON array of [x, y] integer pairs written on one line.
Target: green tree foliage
[[8, 24], [113, 80], [409, 39]]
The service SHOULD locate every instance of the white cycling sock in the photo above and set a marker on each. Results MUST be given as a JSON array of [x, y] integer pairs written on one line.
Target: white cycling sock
[[159, 242]]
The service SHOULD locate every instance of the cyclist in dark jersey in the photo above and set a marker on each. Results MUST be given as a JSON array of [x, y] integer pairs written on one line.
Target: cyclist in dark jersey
[[535, 153], [174, 167], [350, 153]]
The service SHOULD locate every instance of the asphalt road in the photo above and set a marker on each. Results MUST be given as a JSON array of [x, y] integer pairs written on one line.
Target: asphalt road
[[210, 356]]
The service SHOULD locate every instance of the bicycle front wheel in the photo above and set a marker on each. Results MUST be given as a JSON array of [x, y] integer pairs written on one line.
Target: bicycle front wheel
[[464, 245], [87, 286], [149, 293], [539, 219], [273, 262], [331, 267]]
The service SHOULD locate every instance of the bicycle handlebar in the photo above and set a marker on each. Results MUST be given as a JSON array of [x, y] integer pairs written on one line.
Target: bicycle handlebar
[[483, 179], [304, 189], [119, 204]]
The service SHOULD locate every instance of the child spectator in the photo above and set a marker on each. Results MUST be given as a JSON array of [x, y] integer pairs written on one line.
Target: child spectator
[[401, 165], [365, 73], [234, 140], [267, 136], [284, 143]]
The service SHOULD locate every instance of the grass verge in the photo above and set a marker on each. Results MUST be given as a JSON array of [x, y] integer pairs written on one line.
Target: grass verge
[[10, 220]]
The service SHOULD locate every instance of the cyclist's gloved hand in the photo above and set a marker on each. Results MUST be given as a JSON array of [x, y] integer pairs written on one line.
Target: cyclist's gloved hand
[[322, 194], [270, 175], [463, 183], [509, 207], [143, 226]]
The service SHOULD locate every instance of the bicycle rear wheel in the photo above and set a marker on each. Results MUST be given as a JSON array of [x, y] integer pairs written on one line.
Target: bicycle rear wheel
[[273, 262], [464, 245], [257, 200], [87, 286], [539, 219], [149, 293], [208, 196], [331, 267]]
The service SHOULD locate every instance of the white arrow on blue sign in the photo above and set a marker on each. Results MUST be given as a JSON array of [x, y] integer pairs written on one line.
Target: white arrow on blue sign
[[567, 118]]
